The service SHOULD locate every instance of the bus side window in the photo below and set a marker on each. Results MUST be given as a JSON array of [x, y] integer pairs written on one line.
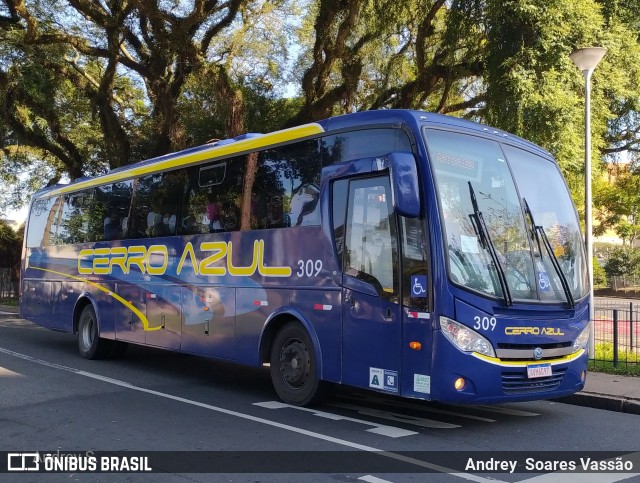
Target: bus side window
[[371, 252], [211, 202], [42, 222], [287, 186], [156, 203], [339, 194], [111, 206], [73, 225]]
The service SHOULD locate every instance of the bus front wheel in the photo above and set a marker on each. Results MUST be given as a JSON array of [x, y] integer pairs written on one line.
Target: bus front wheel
[[294, 370], [90, 344]]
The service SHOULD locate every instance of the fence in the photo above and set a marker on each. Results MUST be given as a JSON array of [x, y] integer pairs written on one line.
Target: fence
[[7, 289], [617, 335]]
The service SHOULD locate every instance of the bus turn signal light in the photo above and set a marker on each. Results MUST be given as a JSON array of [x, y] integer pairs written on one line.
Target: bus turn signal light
[[416, 346]]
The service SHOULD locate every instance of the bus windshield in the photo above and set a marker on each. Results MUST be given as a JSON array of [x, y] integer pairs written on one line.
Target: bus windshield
[[483, 187]]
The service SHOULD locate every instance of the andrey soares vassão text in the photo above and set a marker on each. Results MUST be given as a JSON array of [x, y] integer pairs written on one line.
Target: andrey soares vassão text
[[585, 464]]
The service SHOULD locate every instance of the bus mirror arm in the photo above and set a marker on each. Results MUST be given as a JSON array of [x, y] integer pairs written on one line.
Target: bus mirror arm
[[404, 184]]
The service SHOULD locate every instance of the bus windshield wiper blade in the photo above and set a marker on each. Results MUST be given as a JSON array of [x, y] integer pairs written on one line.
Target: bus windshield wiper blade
[[477, 220], [539, 233]]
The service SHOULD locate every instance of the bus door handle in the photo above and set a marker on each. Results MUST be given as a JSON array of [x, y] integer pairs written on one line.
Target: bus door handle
[[352, 300], [387, 314]]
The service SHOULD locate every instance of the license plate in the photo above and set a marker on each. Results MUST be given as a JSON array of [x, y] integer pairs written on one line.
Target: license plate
[[538, 370]]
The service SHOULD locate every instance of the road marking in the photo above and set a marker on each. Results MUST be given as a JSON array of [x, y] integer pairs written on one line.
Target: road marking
[[7, 313], [420, 407], [267, 422], [381, 429], [400, 418], [373, 479]]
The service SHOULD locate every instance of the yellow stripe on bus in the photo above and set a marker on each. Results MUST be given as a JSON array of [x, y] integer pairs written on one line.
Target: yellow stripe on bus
[[249, 144], [141, 316], [499, 362]]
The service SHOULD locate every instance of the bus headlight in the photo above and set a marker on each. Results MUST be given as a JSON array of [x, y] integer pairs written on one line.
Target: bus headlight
[[464, 338], [583, 339]]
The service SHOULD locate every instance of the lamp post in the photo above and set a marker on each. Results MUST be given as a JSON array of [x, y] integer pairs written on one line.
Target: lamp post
[[587, 59]]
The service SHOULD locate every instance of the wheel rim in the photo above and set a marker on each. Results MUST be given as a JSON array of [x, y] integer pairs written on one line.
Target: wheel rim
[[86, 335], [295, 363]]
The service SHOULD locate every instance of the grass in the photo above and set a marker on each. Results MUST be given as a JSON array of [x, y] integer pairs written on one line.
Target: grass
[[628, 361], [11, 302]]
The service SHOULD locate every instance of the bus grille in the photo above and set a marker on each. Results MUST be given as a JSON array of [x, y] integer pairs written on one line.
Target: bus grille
[[517, 382]]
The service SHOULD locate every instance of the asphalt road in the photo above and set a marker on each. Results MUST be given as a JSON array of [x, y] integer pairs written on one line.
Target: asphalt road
[[151, 400]]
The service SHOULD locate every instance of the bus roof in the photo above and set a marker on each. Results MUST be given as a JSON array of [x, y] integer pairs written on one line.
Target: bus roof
[[252, 141]]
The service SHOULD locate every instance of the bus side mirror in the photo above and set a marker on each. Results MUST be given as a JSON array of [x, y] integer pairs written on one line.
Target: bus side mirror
[[404, 184]]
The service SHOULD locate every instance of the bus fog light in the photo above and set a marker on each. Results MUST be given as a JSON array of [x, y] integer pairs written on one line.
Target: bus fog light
[[583, 339], [459, 384], [464, 338]]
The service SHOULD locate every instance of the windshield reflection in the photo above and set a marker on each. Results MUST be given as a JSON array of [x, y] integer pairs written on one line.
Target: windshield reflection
[[462, 163]]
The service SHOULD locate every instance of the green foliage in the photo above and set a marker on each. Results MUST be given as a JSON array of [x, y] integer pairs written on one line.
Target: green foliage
[[628, 360], [599, 274], [87, 86], [617, 199], [623, 261]]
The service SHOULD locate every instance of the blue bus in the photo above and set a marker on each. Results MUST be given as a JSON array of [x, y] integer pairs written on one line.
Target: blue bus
[[399, 251]]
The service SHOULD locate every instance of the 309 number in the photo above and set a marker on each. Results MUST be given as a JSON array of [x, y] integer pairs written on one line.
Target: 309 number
[[484, 323], [309, 268]]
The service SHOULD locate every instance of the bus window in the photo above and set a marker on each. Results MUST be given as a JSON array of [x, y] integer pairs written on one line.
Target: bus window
[[42, 222], [73, 224], [414, 263], [363, 144], [339, 194], [156, 201], [113, 202], [371, 249], [288, 182], [213, 195]]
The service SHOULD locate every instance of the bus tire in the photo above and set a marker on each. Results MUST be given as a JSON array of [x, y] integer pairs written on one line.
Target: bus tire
[[90, 344], [294, 366]]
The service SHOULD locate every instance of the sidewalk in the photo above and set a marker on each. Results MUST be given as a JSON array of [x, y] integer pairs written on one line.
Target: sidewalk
[[608, 391], [602, 391]]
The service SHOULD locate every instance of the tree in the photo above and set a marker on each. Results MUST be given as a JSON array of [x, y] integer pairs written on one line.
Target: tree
[[623, 261], [106, 52], [10, 250], [618, 203], [386, 54]]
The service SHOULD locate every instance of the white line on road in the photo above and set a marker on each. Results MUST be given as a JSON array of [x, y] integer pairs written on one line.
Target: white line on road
[[373, 479], [425, 408], [7, 313], [381, 429], [286, 427], [399, 418]]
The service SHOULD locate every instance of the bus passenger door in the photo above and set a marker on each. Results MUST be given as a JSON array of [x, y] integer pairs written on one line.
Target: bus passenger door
[[371, 308]]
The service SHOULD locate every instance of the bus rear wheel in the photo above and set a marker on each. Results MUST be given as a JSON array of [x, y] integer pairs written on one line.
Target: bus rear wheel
[[294, 367], [90, 344]]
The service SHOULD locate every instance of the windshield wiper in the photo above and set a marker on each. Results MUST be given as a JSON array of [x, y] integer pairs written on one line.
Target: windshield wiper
[[481, 230], [539, 233]]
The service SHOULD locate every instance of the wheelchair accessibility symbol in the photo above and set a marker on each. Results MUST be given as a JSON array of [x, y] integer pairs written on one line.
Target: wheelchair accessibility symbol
[[543, 281], [419, 286]]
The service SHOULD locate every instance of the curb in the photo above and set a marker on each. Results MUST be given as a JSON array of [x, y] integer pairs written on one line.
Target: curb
[[603, 401], [9, 308]]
